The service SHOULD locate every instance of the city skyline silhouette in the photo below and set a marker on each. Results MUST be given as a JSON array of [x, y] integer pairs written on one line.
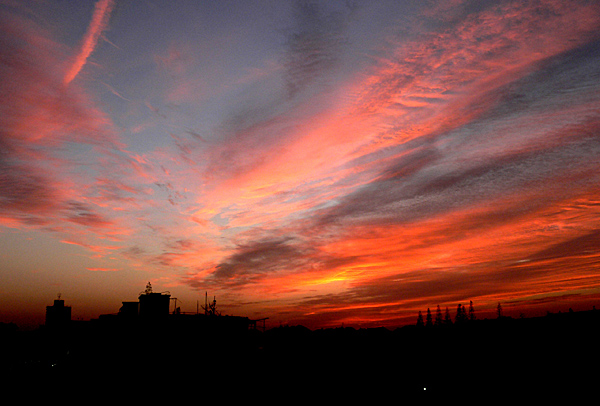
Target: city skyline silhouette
[[520, 355], [326, 184]]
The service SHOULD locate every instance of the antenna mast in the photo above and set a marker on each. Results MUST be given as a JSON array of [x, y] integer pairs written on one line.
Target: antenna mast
[[175, 310]]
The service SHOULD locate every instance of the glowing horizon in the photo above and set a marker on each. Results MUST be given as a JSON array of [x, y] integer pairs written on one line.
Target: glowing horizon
[[314, 163]]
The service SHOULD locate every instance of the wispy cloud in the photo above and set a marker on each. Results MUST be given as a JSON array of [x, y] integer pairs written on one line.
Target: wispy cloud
[[98, 25], [55, 143], [314, 45], [102, 269], [343, 164], [454, 137]]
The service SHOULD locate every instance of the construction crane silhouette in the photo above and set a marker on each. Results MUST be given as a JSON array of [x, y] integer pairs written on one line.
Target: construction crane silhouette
[[176, 310], [210, 309]]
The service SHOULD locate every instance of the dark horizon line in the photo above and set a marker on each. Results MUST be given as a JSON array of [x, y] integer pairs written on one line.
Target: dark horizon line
[[7, 325]]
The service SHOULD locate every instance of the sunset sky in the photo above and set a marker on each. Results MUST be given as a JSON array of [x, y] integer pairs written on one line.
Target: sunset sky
[[315, 163]]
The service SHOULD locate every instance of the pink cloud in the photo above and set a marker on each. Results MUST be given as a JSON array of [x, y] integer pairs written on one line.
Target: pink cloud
[[428, 177], [97, 26], [102, 269], [63, 168], [453, 167], [436, 83]]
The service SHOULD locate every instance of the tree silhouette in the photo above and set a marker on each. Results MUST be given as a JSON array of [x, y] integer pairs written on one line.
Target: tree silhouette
[[438, 316], [429, 319], [447, 318], [420, 320], [471, 311], [461, 315], [499, 310]]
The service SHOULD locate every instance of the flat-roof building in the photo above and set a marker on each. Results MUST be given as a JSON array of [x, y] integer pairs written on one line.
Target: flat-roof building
[[58, 314]]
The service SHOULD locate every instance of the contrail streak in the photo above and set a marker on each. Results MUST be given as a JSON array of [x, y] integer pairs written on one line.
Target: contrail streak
[[97, 26]]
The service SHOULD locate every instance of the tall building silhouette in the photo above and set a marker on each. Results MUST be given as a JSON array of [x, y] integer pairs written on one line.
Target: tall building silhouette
[[58, 314], [152, 304]]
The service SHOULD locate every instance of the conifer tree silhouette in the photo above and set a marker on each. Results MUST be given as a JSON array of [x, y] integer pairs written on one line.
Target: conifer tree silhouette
[[420, 320], [438, 316], [447, 318], [471, 311], [429, 319], [461, 315]]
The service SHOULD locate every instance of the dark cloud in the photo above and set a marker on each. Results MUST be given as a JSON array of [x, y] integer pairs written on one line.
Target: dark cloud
[[23, 188], [261, 257], [313, 47], [134, 252], [488, 158], [251, 262], [572, 75], [85, 215], [113, 189], [173, 196], [416, 189], [583, 245], [168, 259], [182, 244]]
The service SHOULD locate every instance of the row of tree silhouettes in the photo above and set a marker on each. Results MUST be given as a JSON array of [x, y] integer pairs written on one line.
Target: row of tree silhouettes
[[462, 316]]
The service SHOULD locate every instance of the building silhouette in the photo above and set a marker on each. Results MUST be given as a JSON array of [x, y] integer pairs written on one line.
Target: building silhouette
[[58, 314], [129, 310], [152, 304], [152, 308]]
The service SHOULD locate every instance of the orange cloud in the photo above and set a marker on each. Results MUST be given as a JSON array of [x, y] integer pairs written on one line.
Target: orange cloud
[[102, 269], [460, 164]]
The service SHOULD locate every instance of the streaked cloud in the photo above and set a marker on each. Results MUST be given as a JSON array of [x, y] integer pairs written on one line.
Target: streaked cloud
[[324, 163]]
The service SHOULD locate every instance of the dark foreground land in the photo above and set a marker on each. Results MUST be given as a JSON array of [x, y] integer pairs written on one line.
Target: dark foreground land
[[534, 356]]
